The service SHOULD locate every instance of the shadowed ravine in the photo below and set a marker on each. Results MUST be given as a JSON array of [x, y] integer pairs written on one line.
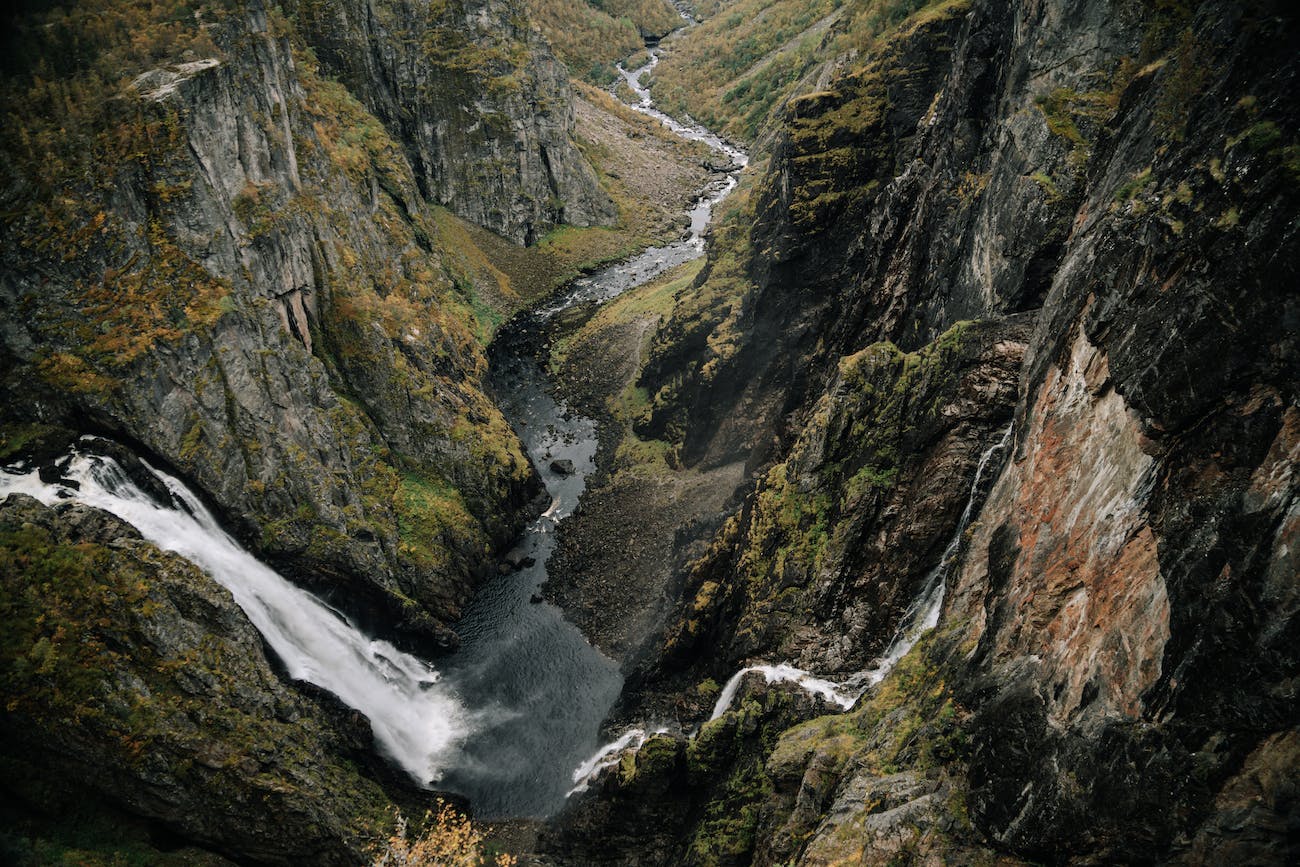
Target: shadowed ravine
[[508, 717], [540, 691]]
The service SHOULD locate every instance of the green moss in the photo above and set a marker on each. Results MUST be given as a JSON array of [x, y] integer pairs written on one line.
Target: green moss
[[1262, 136], [656, 759], [708, 688], [1049, 186], [727, 830], [80, 663], [1134, 185], [836, 736], [1228, 219], [429, 511], [17, 440], [1065, 110]]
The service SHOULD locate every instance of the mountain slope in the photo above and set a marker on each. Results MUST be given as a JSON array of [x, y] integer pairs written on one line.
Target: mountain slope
[[1112, 676], [217, 252]]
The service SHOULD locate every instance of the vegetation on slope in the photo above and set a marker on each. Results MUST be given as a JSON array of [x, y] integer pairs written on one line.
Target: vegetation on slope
[[130, 256], [591, 36], [749, 57], [835, 150], [766, 565], [448, 839], [128, 674]]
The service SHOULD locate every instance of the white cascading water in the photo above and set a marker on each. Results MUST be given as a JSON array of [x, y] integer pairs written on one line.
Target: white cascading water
[[609, 755], [921, 616], [416, 722], [827, 690]]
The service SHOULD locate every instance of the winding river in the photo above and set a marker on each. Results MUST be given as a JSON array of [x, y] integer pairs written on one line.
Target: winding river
[[508, 718], [538, 692]]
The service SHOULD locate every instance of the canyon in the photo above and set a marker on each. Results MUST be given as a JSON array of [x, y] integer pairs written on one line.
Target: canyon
[[721, 433]]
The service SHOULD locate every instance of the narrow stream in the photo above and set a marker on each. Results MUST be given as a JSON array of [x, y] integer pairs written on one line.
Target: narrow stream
[[538, 690]]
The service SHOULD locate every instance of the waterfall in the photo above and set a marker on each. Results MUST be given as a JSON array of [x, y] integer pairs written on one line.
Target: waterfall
[[827, 690], [919, 618], [923, 614], [609, 755], [416, 722]]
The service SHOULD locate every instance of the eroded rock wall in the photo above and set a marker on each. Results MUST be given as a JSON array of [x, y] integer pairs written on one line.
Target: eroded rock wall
[[226, 259], [481, 107], [1113, 674]]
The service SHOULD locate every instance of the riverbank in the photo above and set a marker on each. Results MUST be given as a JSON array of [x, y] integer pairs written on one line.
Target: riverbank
[[652, 175], [615, 561], [643, 515]]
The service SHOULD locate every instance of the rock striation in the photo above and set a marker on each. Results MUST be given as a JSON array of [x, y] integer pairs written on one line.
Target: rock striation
[[1112, 192], [234, 259], [479, 104]]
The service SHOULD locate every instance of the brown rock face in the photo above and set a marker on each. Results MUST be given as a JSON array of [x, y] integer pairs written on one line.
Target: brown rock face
[[1084, 594]]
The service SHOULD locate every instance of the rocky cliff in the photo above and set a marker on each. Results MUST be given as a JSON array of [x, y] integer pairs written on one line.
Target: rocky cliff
[[482, 109], [129, 671], [222, 244], [1110, 190], [1004, 320]]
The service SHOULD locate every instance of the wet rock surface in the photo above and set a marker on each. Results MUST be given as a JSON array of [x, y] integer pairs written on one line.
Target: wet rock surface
[[131, 676]]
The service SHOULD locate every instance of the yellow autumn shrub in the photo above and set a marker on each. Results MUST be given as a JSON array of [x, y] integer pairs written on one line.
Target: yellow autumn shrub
[[449, 839]]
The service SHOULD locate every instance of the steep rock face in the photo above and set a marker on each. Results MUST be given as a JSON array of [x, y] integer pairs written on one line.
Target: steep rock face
[[921, 187], [840, 538], [131, 675], [229, 263], [1118, 637], [1128, 570], [482, 109]]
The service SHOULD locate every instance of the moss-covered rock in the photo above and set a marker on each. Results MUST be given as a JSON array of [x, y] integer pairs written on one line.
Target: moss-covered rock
[[857, 516], [129, 675]]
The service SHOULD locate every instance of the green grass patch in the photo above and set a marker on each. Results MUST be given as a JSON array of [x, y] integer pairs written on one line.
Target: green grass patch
[[429, 510]]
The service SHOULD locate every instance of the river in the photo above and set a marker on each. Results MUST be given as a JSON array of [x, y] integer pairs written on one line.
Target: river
[[508, 718], [538, 691]]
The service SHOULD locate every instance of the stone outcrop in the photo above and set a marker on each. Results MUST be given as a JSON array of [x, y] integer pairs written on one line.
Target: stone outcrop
[[239, 268], [481, 108], [841, 537]]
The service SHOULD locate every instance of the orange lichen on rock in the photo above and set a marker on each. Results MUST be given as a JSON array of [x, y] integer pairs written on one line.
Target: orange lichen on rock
[[1084, 589]]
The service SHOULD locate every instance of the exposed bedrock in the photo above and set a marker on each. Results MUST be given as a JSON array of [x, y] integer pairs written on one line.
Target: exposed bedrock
[[1110, 192]]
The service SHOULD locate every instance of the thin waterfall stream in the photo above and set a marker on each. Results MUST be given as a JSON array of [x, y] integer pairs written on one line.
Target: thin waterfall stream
[[919, 618]]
